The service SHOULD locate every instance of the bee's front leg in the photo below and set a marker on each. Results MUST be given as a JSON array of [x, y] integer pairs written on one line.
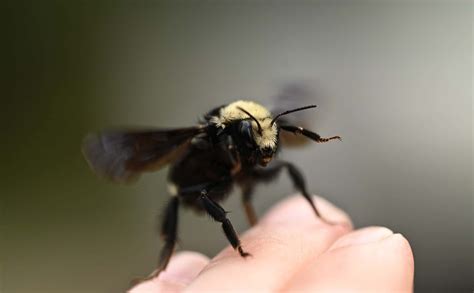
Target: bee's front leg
[[309, 134], [247, 193], [232, 155]]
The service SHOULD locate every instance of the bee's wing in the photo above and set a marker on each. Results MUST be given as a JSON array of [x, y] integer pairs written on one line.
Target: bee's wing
[[293, 95], [121, 156]]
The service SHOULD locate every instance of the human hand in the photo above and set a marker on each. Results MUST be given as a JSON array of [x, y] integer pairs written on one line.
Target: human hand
[[292, 250]]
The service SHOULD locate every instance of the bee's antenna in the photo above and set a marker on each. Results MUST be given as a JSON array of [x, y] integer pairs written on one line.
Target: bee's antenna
[[251, 116], [291, 111]]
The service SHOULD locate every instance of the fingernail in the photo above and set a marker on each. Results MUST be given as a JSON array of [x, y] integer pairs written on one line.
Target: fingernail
[[362, 236]]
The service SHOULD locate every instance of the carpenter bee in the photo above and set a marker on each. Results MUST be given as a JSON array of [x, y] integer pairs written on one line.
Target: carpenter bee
[[231, 144]]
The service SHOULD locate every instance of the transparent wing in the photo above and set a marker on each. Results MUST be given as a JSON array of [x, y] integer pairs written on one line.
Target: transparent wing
[[294, 95], [121, 156]]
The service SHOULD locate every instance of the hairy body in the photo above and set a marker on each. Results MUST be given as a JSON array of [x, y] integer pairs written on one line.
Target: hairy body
[[232, 144]]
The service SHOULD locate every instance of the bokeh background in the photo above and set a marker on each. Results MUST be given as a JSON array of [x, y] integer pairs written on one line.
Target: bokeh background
[[393, 78]]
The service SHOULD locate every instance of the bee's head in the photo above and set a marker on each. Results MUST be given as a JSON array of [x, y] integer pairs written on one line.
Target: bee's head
[[254, 130], [259, 137]]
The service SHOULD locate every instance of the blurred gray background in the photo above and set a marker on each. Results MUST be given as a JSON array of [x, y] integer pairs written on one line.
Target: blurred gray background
[[393, 78]]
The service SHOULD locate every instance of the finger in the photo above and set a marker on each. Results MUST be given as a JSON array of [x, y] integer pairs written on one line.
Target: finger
[[181, 270], [296, 208], [370, 259], [288, 237]]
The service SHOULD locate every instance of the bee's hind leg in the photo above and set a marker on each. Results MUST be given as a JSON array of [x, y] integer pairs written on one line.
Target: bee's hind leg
[[169, 229]]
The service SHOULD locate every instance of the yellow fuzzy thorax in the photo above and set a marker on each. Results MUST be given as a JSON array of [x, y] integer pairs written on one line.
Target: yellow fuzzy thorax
[[231, 112]]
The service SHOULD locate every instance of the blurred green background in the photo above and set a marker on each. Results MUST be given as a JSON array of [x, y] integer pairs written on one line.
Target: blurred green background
[[393, 78]]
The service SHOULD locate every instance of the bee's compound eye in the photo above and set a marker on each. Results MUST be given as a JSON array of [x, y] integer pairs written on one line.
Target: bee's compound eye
[[245, 129]]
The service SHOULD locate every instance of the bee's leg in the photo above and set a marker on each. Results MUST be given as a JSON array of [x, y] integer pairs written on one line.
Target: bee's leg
[[296, 177], [247, 193], [300, 184], [169, 229], [220, 215], [233, 159], [309, 134], [256, 176]]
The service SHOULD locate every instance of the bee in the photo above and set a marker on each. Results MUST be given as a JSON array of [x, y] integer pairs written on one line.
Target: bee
[[231, 144]]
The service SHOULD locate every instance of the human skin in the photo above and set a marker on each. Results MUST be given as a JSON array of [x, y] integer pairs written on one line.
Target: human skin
[[292, 250]]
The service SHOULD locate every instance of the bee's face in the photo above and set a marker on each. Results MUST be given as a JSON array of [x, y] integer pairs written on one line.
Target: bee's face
[[265, 155], [256, 143], [255, 133]]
